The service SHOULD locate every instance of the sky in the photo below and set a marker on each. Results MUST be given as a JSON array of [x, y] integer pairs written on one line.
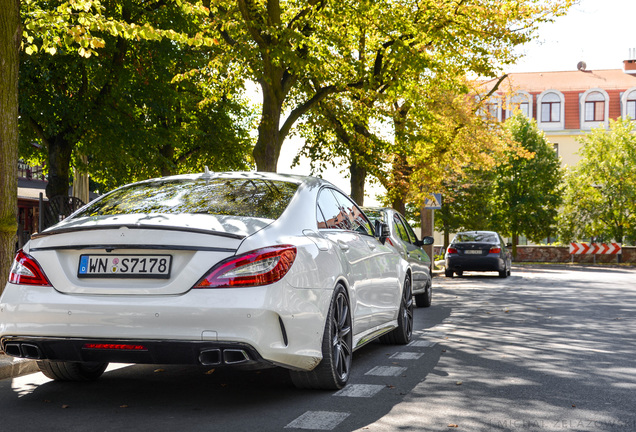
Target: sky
[[598, 32]]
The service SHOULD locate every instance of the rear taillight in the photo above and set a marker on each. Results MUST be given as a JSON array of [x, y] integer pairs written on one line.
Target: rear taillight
[[259, 267], [495, 250], [27, 271], [451, 250]]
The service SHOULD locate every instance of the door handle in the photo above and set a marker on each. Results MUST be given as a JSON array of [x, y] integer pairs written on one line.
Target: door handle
[[342, 245]]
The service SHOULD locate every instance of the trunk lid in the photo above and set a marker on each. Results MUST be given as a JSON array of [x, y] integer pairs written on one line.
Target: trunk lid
[[159, 254]]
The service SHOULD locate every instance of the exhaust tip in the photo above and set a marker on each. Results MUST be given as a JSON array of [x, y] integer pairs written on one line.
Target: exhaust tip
[[210, 357], [31, 351], [235, 356], [12, 349]]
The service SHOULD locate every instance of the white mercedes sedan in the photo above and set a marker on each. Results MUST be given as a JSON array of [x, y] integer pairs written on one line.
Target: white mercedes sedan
[[241, 269]]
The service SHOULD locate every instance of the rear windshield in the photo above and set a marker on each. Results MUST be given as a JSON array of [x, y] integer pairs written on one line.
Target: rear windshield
[[476, 237], [374, 215], [236, 197]]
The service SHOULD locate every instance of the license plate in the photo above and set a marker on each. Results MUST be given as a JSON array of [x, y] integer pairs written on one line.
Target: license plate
[[125, 266], [472, 252]]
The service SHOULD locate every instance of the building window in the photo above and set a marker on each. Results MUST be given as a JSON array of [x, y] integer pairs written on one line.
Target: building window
[[491, 109], [595, 107], [519, 102], [631, 106], [628, 104], [551, 108]]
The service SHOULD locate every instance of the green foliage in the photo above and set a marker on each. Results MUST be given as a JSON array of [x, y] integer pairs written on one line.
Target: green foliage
[[600, 194], [145, 106], [410, 63], [527, 190], [82, 25], [468, 203]]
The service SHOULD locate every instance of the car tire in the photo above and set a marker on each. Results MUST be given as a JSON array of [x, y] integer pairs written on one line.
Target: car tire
[[71, 371], [504, 273], [332, 373], [402, 334], [448, 273], [459, 273], [425, 300]]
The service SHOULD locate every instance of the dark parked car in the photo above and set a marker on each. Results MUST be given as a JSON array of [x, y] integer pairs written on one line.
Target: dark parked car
[[478, 251], [403, 238]]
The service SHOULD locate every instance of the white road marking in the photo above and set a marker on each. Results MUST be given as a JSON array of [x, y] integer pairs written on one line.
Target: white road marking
[[318, 420], [434, 334], [406, 356], [422, 343], [360, 390], [387, 371]]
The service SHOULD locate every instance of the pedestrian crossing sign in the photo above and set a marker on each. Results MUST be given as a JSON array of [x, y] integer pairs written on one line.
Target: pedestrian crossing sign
[[433, 202]]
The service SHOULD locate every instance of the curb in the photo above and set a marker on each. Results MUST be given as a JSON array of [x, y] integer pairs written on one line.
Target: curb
[[11, 367]]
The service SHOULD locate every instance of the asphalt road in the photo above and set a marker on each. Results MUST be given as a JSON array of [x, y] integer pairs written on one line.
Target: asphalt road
[[548, 349]]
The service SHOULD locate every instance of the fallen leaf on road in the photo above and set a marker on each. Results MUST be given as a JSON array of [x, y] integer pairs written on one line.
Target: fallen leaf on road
[[458, 383], [65, 406], [123, 406], [159, 370], [210, 372], [453, 425]]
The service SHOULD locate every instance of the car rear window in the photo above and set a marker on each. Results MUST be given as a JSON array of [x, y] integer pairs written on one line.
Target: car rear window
[[237, 197], [476, 237]]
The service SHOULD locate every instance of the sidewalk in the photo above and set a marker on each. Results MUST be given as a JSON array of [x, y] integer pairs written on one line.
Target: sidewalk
[[11, 367]]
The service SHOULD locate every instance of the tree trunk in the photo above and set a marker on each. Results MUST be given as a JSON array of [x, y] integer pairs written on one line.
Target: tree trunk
[[267, 149], [358, 177], [60, 150], [10, 37], [400, 183], [427, 218], [167, 152]]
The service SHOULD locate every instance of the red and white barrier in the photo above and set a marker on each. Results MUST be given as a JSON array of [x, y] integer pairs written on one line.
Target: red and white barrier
[[595, 248]]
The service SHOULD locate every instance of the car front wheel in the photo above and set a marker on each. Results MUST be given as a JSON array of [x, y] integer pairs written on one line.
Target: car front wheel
[[71, 371], [332, 373]]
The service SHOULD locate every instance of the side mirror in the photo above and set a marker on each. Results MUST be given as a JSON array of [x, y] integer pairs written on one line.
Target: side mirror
[[428, 240], [382, 231]]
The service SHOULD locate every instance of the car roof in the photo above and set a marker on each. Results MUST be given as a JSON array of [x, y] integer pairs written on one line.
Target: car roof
[[477, 232]]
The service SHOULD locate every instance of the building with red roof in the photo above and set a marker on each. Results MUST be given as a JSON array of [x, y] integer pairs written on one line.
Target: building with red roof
[[568, 104]]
